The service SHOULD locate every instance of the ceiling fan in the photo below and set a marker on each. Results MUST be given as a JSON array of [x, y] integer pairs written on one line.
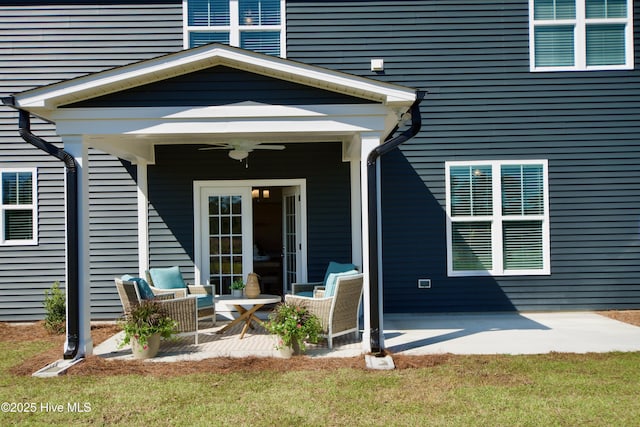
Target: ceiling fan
[[239, 150]]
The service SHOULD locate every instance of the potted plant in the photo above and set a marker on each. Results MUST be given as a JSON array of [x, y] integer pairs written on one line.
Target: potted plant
[[237, 287], [145, 325], [293, 325]]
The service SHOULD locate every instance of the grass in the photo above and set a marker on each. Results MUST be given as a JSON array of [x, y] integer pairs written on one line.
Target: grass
[[554, 389]]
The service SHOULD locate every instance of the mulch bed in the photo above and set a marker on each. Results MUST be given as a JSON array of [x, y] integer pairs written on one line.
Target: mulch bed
[[96, 366]]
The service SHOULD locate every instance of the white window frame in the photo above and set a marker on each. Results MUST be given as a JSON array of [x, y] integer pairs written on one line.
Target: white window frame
[[33, 206], [580, 39], [234, 28], [497, 219]]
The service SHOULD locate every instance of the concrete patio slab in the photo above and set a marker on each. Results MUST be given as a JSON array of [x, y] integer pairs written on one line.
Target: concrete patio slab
[[508, 333], [486, 333]]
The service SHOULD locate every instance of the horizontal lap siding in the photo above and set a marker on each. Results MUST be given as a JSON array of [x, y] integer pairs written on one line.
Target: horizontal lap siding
[[40, 44], [472, 59]]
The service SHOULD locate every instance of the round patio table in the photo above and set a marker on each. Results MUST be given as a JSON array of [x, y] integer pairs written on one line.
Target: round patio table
[[246, 315]]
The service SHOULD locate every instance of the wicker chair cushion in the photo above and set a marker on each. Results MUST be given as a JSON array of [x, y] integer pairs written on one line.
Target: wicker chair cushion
[[204, 301], [335, 267], [143, 287], [167, 278], [330, 287]]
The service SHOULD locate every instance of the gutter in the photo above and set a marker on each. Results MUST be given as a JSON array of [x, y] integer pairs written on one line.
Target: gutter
[[71, 181], [376, 337]]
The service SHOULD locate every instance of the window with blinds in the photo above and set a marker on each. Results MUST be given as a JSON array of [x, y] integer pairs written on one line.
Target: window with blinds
[[18, 205], [255, 25], [497, 218], [581, 34]]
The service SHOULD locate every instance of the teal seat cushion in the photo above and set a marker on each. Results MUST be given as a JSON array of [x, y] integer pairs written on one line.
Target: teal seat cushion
[[167, 278], [336, 267], [143, 287], [204, 301], [330, 287], [305, 294]]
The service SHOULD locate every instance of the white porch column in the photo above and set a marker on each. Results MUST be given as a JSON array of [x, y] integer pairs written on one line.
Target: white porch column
[[73, 145], [369, 142], [143, 218], [356, 213]]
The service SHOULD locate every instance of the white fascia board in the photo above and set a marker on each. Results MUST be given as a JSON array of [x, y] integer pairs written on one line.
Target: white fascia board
[[229, 112], [220, 127], [149, 71]]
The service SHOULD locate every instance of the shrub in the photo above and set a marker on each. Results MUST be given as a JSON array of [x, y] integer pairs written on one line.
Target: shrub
[[54, 304]]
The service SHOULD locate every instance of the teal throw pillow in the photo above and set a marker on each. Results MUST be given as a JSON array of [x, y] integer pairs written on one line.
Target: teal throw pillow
[[330, 287], [143, 287], [167, 278], [336, 267]]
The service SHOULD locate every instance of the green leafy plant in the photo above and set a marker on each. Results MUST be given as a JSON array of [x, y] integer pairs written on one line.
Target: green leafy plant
[[54, 305], [147, 319], [293, 324], [237, 284]]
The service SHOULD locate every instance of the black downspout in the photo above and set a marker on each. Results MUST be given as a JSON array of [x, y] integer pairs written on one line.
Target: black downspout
[[73, 285], [372, 189]]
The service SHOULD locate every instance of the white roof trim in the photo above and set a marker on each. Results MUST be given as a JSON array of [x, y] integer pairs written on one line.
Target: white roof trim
[[46, 98]]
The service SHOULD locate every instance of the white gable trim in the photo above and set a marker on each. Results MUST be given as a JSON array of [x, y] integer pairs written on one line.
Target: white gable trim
[[42, 100]]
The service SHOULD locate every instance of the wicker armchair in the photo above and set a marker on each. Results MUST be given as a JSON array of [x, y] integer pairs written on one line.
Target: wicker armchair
[[183, 310], [338, 313], [204, 310]]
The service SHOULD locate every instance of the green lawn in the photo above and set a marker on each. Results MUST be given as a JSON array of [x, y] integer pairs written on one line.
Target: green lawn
[[545, 390]]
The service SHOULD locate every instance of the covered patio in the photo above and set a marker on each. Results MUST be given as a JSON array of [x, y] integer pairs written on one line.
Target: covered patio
[[246, 99]]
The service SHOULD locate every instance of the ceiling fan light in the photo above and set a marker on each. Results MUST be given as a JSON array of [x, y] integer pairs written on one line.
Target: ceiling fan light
[[238, 154]]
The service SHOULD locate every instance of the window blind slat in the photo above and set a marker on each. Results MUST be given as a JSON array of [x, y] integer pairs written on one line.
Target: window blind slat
[[605, 44], [522, 190], [208, 12], [471, 190], [259, 12], [18, 224], [606, 9], [261, 41], [554, 9], [522, 245], [199, 38], [472, 246], [554, 46]]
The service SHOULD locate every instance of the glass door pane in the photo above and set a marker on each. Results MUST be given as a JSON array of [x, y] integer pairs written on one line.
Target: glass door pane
[[227, 227]]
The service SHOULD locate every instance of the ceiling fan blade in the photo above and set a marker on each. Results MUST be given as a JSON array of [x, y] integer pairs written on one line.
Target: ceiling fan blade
[[214, 148], [269, 147]]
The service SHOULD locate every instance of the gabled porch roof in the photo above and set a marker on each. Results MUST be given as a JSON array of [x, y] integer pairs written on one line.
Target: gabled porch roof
[[131, 132]]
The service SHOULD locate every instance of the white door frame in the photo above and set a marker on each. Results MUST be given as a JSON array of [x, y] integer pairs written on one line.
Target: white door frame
[[201, 187], [292, 191]]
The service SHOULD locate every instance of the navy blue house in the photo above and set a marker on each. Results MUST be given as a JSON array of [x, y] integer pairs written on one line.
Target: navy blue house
[[230, 136]]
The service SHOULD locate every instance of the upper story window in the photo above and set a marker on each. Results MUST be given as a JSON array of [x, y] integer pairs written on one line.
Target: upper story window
[[497, 218], [257, 25], [580, 34], [18, 207]]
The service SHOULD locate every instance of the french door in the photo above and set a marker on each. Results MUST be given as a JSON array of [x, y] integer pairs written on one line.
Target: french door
[[226, 218], [223, 231]]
